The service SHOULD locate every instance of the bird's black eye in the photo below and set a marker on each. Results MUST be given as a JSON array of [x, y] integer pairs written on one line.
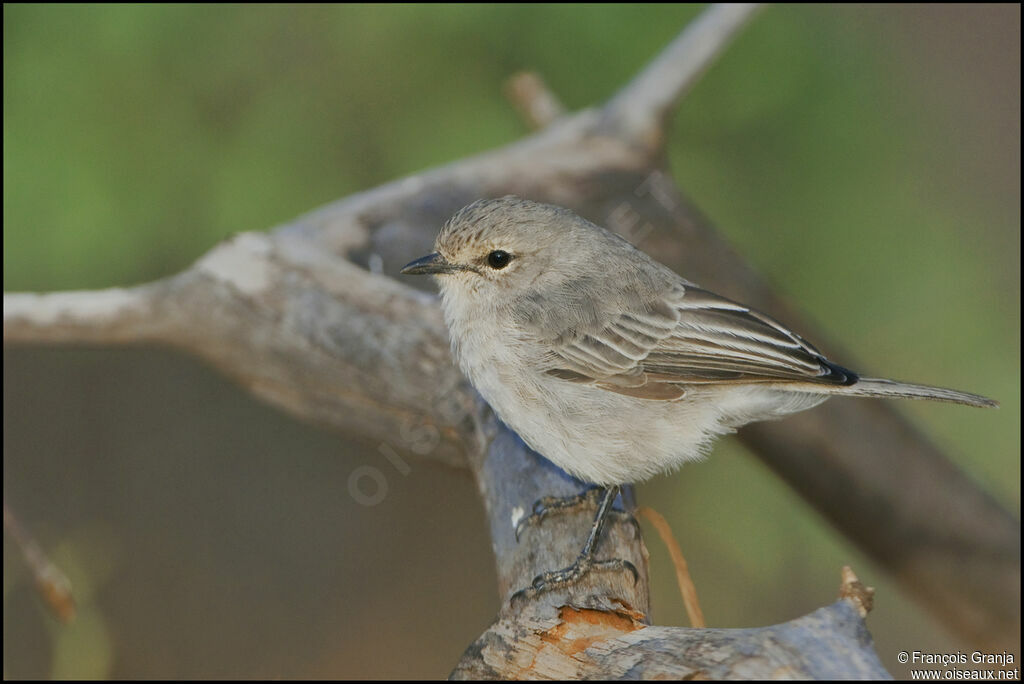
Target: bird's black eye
[[498, 259]]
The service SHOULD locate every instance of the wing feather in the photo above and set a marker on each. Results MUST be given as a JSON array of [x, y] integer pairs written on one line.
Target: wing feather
[[689, 336]]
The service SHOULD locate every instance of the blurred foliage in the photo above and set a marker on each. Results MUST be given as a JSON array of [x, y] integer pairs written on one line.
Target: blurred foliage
[[845, 151]]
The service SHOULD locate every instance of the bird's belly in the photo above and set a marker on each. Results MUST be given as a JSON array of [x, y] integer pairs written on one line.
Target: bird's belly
[[593, 434]]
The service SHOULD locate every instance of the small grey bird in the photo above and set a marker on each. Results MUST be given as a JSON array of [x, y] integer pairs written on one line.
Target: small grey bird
[[608, 363]]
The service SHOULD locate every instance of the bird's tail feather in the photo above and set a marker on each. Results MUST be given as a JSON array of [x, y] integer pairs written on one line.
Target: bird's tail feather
[[877, 387]]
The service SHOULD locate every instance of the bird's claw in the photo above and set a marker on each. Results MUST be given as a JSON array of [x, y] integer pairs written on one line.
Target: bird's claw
[[556, 579], [547, 505]]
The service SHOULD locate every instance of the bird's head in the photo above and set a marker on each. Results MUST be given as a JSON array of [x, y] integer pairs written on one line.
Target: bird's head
[[499, 248]]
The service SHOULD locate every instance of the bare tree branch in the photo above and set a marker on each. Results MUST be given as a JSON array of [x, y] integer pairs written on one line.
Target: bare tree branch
[[599, 627], [306, 318], [536, 104], [112, 316], [638, 111], [51, 583], [585, 644]]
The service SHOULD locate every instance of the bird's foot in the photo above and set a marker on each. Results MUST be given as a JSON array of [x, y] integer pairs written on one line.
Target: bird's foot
[[550, 505], [559, 579]]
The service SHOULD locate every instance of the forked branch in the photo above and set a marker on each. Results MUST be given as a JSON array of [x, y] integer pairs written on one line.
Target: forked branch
[[307, 317]]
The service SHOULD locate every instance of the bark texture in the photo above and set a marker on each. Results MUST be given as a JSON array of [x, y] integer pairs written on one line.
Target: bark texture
[[309, 317]]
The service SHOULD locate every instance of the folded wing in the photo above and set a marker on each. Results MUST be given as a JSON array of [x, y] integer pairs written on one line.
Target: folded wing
[[690, 336]]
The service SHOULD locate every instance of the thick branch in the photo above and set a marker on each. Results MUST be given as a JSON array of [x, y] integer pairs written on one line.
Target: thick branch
[[830, 643], [112, 316], [337, 344], [599, 627], [511, 478], [317, 336]]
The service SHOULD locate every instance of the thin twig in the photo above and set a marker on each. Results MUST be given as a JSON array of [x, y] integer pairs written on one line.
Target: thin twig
[[52, 585], [687, 589], [638, 111], [853, 590], [534, 101], [338, 344]]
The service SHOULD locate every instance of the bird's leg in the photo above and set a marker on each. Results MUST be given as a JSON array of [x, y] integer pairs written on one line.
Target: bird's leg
[[548, 505], [585, 561]]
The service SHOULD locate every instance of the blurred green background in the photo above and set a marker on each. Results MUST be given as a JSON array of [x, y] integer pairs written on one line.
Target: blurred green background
[[866, 158]]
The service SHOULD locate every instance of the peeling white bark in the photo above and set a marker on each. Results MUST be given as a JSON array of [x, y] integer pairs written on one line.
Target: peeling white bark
[[309, 318]]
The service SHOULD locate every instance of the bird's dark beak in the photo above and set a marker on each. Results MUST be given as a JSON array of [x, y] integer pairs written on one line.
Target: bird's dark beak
[[432, 263]]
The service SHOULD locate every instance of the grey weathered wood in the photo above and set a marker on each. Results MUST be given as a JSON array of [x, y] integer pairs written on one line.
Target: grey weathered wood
[[599, 628], [301, 317], [830, 643], [511, 478]]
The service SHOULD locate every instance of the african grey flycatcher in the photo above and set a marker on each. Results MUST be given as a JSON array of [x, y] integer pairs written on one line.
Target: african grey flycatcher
[[608, 363]]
